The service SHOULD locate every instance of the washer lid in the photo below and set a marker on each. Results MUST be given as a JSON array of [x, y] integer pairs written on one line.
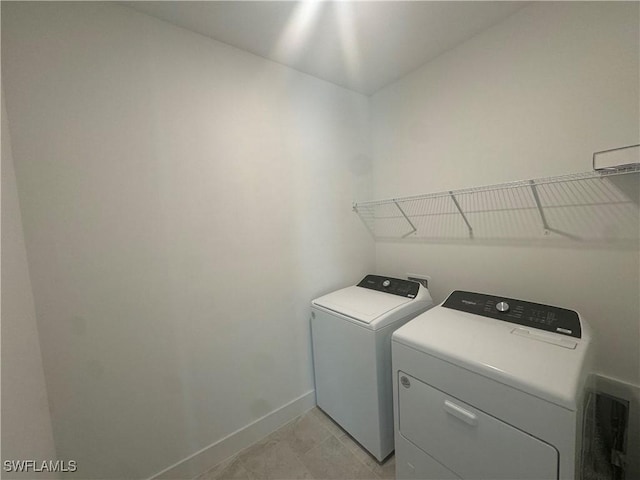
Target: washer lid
[[362, 304], [544, 364]]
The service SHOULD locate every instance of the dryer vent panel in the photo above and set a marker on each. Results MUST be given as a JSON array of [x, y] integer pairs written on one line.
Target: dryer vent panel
[[421, 279], [605, 438]]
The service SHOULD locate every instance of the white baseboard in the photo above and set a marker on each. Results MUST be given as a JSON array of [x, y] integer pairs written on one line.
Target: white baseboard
[[631, 393], [237, 441]]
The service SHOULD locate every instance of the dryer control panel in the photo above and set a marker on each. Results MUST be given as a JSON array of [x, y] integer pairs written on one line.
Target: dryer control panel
[[528, 314], [395, 286]]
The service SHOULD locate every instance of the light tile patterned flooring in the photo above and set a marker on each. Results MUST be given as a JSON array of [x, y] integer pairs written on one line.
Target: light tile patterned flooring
[[310, 447]]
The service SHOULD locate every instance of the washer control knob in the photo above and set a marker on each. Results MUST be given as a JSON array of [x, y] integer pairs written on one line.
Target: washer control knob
[[502, 307], [386, 283]]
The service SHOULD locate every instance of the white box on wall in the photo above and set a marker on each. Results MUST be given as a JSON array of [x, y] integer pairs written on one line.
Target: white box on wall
[[614, 158]]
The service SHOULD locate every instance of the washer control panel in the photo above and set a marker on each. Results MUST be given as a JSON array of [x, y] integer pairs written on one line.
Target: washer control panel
[[528, 314], [395, 286]]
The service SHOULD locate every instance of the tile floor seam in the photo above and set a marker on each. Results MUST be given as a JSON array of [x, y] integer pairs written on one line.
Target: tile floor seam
[[360, 460], [242, 464], [353, 454]]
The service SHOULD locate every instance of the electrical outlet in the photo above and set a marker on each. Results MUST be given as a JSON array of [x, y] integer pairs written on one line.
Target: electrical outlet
[[422, 279]]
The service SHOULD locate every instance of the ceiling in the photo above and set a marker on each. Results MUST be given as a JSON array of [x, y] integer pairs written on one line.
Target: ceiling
[[360, 45]]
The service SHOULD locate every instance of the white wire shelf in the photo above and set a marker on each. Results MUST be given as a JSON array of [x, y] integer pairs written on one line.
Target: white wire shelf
[[598, 206]]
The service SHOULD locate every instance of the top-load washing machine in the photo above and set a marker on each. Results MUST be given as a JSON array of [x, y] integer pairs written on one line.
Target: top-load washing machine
[[489, 387], [351, 332]]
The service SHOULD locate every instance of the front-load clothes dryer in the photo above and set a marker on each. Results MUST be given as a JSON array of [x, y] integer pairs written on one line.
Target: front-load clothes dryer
[[489, 387], [351, 333]]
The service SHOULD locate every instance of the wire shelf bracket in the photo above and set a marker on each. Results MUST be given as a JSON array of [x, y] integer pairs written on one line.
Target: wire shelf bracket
[[464, 217], [413, 227]]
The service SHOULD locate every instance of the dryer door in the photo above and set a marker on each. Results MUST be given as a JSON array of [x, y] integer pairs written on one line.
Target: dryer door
[[465, 440]]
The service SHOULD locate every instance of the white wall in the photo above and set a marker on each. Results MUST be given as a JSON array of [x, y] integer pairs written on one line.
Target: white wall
[[26, 423], [183, 201], [532, 97]]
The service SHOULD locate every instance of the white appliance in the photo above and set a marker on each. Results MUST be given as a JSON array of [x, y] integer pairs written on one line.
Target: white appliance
[[488, 387], [351, 332]]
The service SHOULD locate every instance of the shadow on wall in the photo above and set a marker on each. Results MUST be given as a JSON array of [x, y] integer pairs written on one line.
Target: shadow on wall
[[580, 210]]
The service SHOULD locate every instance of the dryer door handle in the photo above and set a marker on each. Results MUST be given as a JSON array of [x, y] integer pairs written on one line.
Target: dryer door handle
[[459, 412]]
